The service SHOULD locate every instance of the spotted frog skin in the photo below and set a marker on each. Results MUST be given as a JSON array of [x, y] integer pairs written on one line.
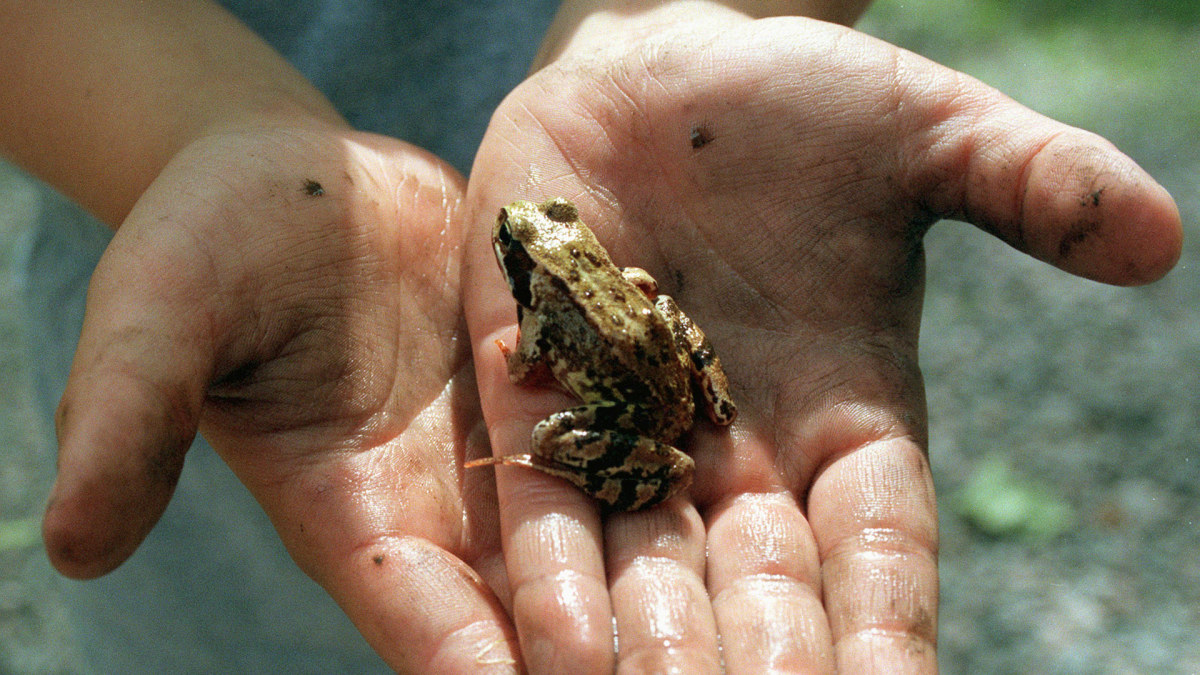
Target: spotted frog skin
[[638, 364]]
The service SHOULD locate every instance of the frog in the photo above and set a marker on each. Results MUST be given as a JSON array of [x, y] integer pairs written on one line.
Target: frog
[[642, 370]]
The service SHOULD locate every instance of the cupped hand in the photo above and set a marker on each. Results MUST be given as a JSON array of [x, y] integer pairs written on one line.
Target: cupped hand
[[293, 292], [777, 178]]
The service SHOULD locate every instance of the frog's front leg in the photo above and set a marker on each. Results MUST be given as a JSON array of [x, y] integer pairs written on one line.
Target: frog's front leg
[[708, 376], [526, 363], [622, 469], [642, 279]]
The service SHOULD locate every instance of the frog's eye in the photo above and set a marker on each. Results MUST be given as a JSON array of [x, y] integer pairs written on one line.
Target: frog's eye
[[560, 210]]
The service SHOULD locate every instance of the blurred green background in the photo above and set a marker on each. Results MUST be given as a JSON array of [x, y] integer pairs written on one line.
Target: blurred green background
[[1063, 413]]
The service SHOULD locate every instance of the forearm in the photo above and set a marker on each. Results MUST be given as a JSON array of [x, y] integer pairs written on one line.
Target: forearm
[[581, 23], [96, 97]]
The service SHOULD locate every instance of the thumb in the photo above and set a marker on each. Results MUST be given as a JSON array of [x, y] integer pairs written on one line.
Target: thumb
[[1061, 194], [129, 412]]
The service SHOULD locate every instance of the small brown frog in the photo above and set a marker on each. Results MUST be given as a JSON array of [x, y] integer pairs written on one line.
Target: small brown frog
[[639, 365]]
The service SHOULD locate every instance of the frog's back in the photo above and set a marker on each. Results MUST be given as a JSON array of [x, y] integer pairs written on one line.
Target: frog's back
[[603, 338], [610, 344]]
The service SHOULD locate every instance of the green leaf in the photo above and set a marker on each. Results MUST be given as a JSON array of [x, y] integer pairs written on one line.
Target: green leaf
[[20, 534], [1000, 503]]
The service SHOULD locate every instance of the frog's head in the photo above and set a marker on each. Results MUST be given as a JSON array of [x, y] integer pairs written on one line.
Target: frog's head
[[528, 236]]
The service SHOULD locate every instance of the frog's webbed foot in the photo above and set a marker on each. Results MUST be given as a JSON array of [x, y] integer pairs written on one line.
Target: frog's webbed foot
[[708, 376]]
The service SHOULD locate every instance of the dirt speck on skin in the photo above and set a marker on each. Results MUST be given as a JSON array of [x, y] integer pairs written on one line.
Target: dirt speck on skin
[[1076, 235], [679, 279], [1092, 199], [700, 136]]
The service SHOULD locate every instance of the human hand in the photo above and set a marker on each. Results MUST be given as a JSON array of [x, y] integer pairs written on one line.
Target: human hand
[[292, 289], [776, 178]]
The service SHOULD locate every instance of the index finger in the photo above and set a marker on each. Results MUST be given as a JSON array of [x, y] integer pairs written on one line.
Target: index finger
[[552, 538]]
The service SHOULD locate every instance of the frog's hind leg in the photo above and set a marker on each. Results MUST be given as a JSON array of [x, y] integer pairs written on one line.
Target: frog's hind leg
[[619, 489], [626, 471], [647, 472]]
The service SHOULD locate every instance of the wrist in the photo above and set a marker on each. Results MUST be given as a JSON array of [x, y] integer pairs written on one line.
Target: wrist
[[96, 98], [230, 110]]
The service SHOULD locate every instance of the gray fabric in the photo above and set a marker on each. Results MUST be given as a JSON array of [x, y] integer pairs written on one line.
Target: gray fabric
[[212, 590], [429, 72]]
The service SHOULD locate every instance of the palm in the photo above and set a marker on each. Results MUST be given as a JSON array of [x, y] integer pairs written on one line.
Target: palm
[[309, 321], [779, 190]]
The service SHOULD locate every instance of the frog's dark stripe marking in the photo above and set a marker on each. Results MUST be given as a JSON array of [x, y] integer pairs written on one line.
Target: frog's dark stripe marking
[[626, 499], [635, 389], [611, 450], [726, 410], [595, 259], [543, 345], [639, 493], [516, 267]]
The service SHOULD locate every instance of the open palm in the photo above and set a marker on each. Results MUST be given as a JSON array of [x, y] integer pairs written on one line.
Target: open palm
[[293, 293], [777, 178]]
